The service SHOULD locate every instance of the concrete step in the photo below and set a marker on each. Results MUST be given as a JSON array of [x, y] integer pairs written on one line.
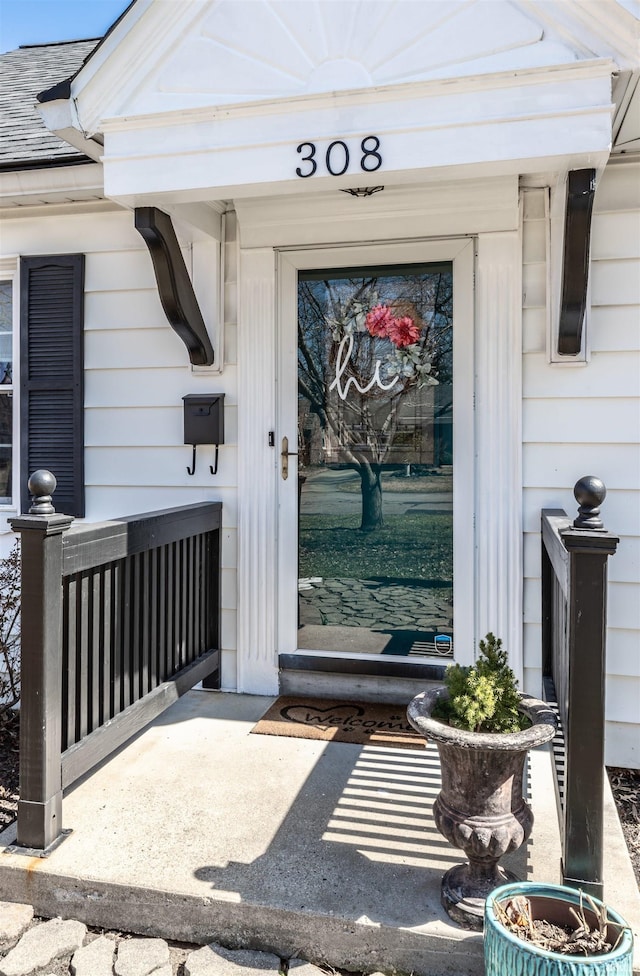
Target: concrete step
[[198, 831]]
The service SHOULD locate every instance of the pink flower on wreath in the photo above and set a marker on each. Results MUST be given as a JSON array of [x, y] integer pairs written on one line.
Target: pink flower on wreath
[[403, 332], [379, 320]]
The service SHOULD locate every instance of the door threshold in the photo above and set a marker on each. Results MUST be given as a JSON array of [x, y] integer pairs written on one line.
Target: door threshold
[[394, 682], [427, 671]]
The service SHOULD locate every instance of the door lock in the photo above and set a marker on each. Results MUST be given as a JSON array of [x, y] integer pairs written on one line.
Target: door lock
[[285, 454]]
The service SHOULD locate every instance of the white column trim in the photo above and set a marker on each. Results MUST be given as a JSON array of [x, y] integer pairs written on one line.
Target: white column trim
[[257, 524], [498, 422]]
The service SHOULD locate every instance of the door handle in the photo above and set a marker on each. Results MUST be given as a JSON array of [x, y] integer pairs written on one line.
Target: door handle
[[285, 454]]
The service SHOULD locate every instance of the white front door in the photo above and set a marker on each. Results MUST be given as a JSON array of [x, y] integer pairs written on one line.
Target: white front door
[[375, 437]]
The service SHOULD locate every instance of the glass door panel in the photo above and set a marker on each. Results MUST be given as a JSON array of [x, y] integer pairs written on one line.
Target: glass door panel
[[375, 453]]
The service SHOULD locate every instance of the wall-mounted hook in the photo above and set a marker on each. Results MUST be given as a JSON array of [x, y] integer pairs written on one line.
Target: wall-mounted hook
[[192, 469], [214, 469]]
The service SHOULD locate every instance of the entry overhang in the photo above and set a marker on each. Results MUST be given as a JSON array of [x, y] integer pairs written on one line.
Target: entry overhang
[[528, 121]]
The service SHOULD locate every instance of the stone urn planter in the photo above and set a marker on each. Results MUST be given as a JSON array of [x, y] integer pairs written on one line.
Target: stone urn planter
[[480, 807], [505, 952]]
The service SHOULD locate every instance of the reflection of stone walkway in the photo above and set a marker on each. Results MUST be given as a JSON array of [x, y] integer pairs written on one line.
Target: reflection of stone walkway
[[424, 612]]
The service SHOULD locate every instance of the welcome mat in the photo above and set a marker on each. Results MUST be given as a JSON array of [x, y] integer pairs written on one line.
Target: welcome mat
[[363, 723]]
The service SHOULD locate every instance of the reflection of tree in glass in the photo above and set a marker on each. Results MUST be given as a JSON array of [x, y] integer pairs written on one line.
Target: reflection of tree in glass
[[394, 330], [6, 327]]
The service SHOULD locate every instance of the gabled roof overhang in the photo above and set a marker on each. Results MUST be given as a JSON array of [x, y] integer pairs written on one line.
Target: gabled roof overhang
[[524, 122], [162, 146]]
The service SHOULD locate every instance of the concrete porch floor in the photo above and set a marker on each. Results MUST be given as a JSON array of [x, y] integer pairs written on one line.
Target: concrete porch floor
[[198, 831]]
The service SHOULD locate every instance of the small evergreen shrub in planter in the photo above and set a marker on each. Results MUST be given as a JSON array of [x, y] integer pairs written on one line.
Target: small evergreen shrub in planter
[[483, 697], [483, 729]]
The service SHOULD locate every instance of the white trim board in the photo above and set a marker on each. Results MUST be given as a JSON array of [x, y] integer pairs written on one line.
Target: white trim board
[[490, 597]]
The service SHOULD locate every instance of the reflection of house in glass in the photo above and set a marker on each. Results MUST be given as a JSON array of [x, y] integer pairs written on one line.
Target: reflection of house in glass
[[421, 420]]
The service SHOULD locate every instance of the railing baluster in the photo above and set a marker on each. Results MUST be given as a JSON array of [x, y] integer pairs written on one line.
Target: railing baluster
[[190, 588], [184, 569], [197, 589], [136, 627], [143, 600], [105, 645], [116, 670], [95, 657], [212, 596], [68, 672], [173, 609], [82, 663], [127, 635], [162, 613], [152, 618]]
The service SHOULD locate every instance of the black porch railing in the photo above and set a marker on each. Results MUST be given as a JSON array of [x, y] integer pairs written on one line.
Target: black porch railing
[[574, 612], [119, 619]]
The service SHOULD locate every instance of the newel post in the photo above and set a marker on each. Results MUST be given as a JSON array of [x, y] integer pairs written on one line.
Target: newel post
[[41, 531], [589, 546]]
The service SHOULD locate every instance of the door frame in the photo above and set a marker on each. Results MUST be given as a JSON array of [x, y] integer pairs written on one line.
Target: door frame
[[487, 211], [460, 252]]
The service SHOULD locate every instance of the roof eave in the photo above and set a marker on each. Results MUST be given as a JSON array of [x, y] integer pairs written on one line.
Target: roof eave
[[45, 162], [60, 117]]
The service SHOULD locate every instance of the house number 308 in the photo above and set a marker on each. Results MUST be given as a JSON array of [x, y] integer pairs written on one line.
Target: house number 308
[[337, 157]]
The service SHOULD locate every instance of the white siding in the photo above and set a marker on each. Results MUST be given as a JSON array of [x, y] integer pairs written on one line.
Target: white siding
[[585, 419], [136, 373]]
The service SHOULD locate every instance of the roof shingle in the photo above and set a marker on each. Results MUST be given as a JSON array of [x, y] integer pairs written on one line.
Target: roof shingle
[[24, 139]]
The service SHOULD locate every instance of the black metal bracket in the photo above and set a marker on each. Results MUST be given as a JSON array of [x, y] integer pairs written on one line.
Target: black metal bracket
[[174, 284], [581, 187]]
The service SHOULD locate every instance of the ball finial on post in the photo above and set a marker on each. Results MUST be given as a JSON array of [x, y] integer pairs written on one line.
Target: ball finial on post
[[42, 485], [590, 493]]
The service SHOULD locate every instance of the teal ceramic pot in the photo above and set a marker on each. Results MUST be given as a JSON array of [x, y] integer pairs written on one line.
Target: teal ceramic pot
[[504, 953]]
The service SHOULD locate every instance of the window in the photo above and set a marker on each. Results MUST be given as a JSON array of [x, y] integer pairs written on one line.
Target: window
[[6, 391]]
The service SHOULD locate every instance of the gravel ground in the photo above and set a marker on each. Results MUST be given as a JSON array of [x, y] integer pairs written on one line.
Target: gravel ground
[[625, 784]]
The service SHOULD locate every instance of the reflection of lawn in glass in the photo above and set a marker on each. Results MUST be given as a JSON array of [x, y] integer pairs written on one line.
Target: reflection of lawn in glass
[[410, 547], [399, 482]]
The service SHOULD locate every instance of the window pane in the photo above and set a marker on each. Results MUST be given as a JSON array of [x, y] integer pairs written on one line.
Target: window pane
[[375, 460], [6, 331], [6, 423]]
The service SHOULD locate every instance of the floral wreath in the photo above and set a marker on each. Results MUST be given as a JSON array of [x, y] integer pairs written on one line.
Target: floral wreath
[[408, 359]]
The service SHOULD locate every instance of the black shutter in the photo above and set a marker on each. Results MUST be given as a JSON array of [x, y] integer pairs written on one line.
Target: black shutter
[[51, 376]]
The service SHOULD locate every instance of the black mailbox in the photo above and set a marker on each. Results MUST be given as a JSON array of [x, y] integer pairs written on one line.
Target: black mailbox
[[204, 418], [203, 422]]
